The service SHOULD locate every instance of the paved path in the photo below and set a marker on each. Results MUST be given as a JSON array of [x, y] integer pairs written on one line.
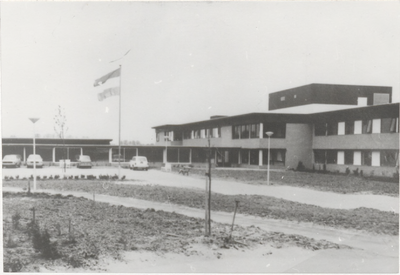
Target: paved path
[[302, 195]]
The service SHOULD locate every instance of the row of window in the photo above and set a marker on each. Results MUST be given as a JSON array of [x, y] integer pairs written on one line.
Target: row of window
[[202, 133], [253, 130], [247, 131], [370, 126], [248, 156], [191, 134], [386, 158]]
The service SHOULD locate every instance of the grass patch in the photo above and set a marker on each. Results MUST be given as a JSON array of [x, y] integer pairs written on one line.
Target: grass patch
[[338, 183]]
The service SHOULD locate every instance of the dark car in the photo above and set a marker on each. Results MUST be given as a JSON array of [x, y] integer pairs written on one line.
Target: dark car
[[118, 158], [84, 162]]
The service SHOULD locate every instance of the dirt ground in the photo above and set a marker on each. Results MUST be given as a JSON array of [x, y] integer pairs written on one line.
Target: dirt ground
[[372, 253]]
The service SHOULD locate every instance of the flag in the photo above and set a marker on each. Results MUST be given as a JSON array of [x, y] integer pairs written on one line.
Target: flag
[[107, 93], [103, 79]]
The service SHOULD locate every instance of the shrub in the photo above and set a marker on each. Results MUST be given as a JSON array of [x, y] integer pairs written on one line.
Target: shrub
[[15, 220], [300, 166], [41, 242]]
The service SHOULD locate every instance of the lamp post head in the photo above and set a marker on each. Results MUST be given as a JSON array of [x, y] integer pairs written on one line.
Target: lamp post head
[[269, 134], [33, 119]]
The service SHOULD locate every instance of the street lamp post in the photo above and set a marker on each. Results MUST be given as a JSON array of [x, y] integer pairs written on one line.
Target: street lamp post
[[34, 153], [166, 139], [269, 134]]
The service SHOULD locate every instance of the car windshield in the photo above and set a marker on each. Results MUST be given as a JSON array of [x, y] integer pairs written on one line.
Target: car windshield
[[36, 157], [84, 158], [10, 157], [141, 158]]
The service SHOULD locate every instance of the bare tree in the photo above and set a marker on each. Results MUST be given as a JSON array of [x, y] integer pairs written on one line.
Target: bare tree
[[60, 129]]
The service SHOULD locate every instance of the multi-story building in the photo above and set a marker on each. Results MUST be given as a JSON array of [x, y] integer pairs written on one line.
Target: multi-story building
[[330, 127]]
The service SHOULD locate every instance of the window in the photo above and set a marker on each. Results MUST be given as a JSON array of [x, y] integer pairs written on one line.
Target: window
[[319, 156], [320, 129], [388, 125], [202, 133], [244, 154], [367, 126], [254, 130], [235, 132], [349, 128], [348, 157], [332, 128], [168, 136], [245, 131], [367, 157], [219, 132], [177, 135], [279, 129], [331, 156], [389, 158], [187, 134], [283, 98]]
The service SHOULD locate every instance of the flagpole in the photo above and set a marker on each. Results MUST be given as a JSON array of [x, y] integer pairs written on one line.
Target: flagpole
[[119, 135]]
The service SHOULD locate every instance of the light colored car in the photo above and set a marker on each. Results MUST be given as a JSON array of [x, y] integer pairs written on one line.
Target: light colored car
[[34, 159], [12, 161], [138, 162], [84, 161]]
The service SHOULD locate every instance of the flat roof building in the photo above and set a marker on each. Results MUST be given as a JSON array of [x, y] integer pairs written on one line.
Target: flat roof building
[[330, 127]]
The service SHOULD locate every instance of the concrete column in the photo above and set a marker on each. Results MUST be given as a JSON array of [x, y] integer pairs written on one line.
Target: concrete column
[[137, 151], [240, 157], [110, 155], [54, 154], [81, 151], [24, 154], [261, 130], [190, 155], [248, 158], [165, 155], [178, 155], [260, 157]]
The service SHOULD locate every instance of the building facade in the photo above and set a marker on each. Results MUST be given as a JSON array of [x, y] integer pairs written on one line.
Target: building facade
[[361, 131]]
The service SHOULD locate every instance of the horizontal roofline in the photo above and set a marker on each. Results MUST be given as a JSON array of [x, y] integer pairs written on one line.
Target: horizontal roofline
[[351, 108]]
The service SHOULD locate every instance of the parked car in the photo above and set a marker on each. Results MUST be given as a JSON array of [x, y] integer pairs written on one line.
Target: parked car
[[117, 158], [12, 161], [34, 159], [138, 162], [84, 161]]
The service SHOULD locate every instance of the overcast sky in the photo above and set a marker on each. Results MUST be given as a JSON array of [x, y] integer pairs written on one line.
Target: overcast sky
[[186, 62]]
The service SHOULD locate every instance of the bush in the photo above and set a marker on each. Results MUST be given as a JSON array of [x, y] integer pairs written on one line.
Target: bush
[[15, 220], [300, 166], [41, 242]]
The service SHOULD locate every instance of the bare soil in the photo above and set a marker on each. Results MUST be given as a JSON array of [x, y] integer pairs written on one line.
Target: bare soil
[[366, 219], [85, 232]]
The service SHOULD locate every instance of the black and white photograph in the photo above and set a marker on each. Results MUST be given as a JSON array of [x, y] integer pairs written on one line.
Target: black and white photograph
[[200, 136]]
